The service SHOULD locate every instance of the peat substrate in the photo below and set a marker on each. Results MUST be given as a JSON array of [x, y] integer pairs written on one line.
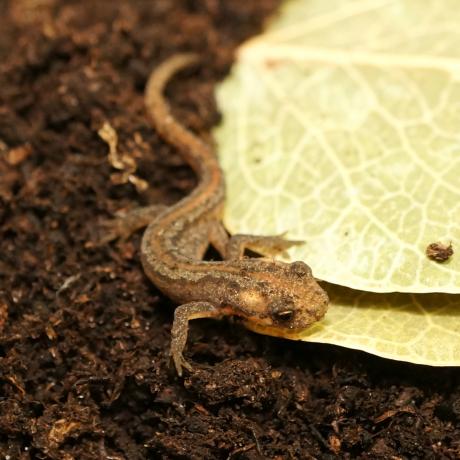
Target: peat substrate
[[84, 335]]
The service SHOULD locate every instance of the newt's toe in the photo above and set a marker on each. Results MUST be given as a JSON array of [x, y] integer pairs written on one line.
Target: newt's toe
[[180, 362]]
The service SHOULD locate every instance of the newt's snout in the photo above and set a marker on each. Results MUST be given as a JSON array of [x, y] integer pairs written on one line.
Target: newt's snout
[[313, 311], [301, 311]]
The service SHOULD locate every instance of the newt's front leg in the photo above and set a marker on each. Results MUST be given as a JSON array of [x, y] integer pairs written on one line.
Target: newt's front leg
[[179, 331]]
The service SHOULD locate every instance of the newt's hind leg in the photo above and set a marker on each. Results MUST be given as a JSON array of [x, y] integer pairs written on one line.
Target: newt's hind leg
[[125, 224], [219, 238], [179, 331], [263, 245]]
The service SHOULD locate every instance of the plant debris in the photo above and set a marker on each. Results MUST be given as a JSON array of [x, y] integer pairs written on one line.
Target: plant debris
[[439, 252]]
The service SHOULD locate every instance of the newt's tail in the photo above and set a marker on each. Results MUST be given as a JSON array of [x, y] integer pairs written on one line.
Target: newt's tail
[[195, 152]]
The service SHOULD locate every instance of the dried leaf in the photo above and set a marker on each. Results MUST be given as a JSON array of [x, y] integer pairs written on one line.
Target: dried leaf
[[341, 128]]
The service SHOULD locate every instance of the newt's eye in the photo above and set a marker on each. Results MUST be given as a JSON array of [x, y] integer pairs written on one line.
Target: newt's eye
[[284, 316], [300, 269]]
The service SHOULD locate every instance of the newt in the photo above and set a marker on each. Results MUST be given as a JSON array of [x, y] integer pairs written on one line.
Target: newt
[[262, 290]]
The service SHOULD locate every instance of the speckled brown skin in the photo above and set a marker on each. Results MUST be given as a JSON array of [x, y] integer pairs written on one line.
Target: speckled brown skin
[[264, 291]]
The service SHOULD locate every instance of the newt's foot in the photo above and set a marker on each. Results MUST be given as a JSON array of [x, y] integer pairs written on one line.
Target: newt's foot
[[180, 362], [113, 229]]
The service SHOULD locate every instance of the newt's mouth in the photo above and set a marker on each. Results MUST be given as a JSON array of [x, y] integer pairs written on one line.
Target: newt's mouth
[[292, 333]]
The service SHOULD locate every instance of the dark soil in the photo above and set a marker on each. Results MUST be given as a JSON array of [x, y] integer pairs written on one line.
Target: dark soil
[[84, 372]]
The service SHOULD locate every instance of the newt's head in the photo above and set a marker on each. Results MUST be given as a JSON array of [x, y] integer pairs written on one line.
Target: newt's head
[[283, 296]]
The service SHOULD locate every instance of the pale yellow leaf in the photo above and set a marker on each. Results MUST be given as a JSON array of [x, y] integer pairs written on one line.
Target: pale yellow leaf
[[342, 128], [420, 328]]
